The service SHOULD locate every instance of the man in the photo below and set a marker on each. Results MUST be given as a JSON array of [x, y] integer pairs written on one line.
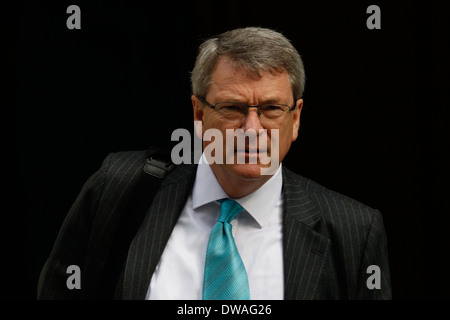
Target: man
[[225, 228]]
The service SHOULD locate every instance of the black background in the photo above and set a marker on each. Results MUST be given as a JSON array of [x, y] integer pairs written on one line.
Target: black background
[[375, 122]]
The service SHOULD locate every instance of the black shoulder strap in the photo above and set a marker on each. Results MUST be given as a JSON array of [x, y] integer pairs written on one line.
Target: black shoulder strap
[[157, 165]]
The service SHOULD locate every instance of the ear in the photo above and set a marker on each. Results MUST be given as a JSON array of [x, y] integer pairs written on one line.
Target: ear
[[296, 119], [198, 109]]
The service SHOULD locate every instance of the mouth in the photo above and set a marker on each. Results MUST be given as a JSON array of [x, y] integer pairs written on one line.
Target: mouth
[[248, 150], [251, 151]]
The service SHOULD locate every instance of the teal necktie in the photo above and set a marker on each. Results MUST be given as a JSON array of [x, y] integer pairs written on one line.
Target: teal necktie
[[225, 276]]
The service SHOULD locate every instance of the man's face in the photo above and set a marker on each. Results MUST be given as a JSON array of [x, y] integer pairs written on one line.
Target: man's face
[[236, 85]]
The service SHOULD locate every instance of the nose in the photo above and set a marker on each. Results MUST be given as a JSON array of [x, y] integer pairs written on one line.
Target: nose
[[252, 120]]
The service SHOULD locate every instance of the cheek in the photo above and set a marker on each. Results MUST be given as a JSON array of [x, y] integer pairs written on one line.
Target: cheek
[[214, 128], [285, 133], [285, 136], [285, 139], [209, 123]]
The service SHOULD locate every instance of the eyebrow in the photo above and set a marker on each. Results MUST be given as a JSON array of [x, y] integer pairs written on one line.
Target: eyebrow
[[240, 100]]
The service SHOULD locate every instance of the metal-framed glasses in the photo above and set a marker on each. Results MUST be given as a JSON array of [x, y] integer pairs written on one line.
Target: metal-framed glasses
[[237, 111]]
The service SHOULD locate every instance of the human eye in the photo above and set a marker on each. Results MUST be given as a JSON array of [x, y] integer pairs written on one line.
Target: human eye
[[272, 110], [272, 107], [231, 107]]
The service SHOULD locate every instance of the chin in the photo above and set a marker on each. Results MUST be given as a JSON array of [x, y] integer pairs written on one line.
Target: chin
[[246, 171]]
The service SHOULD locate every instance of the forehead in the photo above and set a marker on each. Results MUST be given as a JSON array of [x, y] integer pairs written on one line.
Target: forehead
[[229, 81]]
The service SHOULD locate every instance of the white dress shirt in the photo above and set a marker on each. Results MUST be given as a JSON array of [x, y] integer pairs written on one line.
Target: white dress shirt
[[257, 233]]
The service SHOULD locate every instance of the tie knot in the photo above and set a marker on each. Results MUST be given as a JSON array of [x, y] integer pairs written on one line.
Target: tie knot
[[228, 210]]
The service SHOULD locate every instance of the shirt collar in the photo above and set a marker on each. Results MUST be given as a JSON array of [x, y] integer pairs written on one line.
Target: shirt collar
[[260, 204]]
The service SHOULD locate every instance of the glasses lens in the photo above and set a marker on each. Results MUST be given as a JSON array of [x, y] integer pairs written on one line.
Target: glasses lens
[[269, 113], [231, 111], [273, 112]]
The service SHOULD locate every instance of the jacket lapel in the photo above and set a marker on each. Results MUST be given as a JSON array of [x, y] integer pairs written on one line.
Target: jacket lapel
[[304, 247], [150, 241]]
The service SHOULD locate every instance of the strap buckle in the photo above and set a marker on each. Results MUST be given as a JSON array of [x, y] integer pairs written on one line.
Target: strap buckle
[[157, 167]]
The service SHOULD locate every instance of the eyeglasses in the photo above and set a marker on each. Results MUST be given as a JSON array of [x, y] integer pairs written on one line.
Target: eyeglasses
[[236, 111]]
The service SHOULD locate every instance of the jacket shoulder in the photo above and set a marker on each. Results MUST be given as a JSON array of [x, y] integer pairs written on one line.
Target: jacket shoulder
[[333, 205], [324, 194], [124, 162]]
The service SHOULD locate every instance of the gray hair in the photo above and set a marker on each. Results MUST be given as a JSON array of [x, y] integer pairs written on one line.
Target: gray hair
[[255, 49]]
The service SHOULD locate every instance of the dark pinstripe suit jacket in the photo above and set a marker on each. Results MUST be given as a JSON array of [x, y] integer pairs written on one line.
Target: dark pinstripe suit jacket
[[329, 239]]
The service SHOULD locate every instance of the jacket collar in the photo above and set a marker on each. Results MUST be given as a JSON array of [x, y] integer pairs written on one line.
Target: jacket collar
[[304, 248]]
